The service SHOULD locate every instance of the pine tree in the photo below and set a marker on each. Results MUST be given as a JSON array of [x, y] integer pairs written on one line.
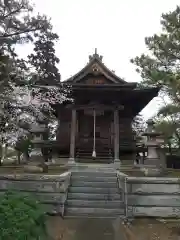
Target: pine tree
[[161, 68]]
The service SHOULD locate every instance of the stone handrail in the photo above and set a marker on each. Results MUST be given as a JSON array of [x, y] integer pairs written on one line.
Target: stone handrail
[[149, 180], [123, 186], [66, 192], [50, 190], [153, 197]]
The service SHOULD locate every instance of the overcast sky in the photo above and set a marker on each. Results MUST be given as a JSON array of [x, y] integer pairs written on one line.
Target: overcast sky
[[117, 29]]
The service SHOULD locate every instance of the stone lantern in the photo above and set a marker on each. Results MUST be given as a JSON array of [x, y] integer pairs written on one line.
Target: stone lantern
[[155, 159], [37, 157], [37, 134]]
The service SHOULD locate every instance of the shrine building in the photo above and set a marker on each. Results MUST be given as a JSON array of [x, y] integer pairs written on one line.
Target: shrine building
[[97, 125]]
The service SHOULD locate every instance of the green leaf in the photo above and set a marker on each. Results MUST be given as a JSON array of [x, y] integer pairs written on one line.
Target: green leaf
[[168, 110], [21, 217]]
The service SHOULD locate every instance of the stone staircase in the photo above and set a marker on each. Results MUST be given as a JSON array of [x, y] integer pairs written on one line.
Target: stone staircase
[[94, 194]]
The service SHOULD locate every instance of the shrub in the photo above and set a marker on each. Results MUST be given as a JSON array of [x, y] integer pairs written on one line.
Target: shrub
[[21, 218]]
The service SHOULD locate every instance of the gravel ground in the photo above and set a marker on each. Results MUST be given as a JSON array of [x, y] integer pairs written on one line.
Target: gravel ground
[[150, 229], [142, 229]]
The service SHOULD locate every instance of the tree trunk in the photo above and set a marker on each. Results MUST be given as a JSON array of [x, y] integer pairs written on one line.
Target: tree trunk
[[169, 148], [6, 150], [178, 138], [25, 157], [19, 157], [0, 155], [3, 149]]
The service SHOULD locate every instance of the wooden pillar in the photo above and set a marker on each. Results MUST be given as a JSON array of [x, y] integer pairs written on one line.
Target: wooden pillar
[[116, 137], [94, 134], [73, 136]]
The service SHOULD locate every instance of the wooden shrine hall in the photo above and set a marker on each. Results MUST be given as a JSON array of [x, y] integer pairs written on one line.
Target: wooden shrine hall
[[97, 125]]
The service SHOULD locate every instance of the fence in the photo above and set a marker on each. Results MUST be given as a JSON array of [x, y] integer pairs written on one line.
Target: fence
[[152, 197]]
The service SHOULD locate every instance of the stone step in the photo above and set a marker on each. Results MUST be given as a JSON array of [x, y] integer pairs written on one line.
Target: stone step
[[93, 217], [93, 196], [98, 169], [89, 212], [93, 179], [94, 173], [93, 190], [95, 203], [93, 184], [93, 168]]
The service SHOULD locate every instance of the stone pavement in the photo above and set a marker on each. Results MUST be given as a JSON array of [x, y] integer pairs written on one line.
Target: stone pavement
[[85, 229]]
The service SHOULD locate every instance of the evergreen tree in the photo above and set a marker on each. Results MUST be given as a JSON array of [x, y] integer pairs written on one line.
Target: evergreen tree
[[44, 60], [18, 23], [47, 89], [161, 68]]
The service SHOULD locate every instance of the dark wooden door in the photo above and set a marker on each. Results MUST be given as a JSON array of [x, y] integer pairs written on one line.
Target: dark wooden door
[[85, 134], [102, 131]]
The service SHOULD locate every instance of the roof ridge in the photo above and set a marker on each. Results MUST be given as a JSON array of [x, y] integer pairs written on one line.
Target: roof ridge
[[96, 59]]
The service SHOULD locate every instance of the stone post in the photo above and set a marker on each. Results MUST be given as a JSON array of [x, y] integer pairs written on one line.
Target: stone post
[[116, 139], [73, 137]]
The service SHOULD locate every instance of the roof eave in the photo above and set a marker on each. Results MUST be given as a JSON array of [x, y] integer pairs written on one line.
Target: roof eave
[[147, 94], [76, 77]]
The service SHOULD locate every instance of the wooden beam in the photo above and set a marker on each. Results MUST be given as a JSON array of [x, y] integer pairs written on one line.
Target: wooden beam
[[97, 106]]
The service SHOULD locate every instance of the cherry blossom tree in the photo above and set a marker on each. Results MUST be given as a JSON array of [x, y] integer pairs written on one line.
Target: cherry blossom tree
[[21, 104]]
